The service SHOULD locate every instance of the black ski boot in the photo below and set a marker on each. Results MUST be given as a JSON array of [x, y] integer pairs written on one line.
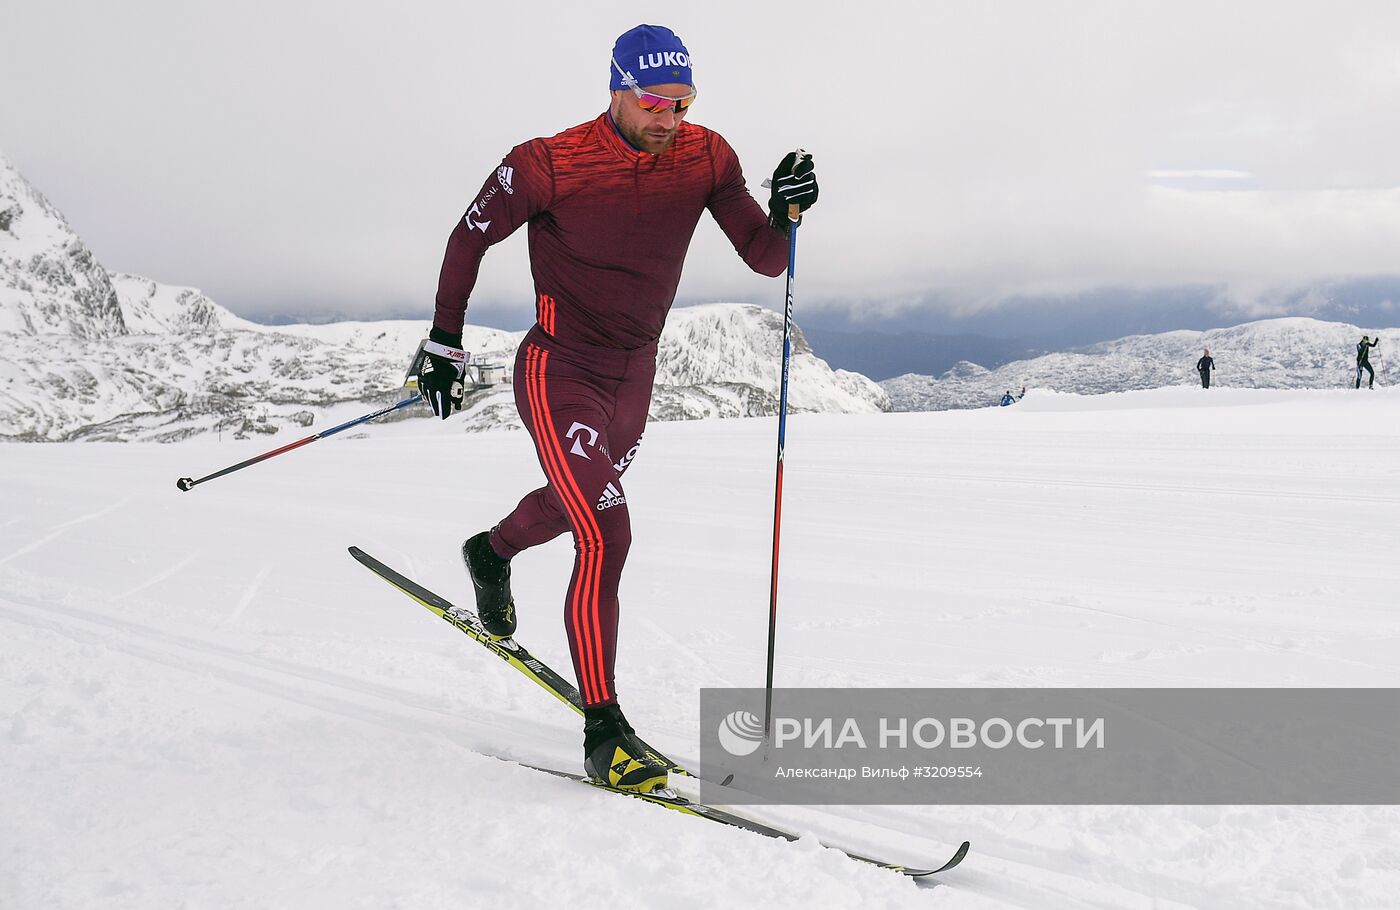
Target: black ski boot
[[490, 576], [612, 754]]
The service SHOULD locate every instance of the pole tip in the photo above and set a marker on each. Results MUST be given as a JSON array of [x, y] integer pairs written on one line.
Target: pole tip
[[185, 484]]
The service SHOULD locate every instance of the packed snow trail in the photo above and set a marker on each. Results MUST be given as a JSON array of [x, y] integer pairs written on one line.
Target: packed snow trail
[[204, 702]]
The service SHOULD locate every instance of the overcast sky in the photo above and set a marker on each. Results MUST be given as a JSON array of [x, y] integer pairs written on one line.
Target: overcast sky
[[312, 157]]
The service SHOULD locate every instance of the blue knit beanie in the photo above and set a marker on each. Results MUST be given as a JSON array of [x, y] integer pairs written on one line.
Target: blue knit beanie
[[652, 55]]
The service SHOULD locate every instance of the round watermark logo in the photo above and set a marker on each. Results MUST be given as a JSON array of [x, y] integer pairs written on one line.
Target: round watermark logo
[[741, 733]]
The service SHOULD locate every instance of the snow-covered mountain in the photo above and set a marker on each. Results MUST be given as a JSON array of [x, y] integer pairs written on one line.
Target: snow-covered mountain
[[151, 308], [107, 356], [1289, 353], [49, 280], [724, 360]]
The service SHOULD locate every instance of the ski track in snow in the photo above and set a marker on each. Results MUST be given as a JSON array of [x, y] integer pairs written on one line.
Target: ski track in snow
[[59, 530], [324, 692], [159, 577], [268, 725], [249, 594]]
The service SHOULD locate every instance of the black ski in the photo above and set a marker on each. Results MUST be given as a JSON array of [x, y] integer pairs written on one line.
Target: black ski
[[675, 802], [508, 650], [515, 654]]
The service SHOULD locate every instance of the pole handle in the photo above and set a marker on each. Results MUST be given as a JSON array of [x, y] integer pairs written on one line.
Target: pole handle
[[794, 212]]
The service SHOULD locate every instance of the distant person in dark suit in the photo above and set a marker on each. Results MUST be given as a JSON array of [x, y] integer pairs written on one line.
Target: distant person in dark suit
[[1204, 366], [1009, 398], [1363, 360]]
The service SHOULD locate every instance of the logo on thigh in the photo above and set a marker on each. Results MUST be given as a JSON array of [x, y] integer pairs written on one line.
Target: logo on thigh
[[577, 432], [612, 496], [627, 459]]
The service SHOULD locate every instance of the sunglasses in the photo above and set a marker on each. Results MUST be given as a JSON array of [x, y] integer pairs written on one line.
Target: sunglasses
[[651, 102]]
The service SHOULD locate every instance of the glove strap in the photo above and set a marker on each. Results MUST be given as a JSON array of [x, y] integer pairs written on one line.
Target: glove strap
[[457, 355]]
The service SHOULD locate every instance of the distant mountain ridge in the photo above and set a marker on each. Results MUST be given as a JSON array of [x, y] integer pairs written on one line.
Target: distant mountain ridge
[[95, 355], [1063, 322], [1294, 352]]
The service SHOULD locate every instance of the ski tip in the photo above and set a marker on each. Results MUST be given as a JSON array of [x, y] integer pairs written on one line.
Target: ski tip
[[953, 860]]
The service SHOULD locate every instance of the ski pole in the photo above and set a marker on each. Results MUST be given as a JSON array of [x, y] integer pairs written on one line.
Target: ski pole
[[186, 484], [794, 215]]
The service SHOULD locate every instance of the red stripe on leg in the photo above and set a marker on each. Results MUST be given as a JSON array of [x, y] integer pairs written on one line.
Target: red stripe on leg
[[584, 600]]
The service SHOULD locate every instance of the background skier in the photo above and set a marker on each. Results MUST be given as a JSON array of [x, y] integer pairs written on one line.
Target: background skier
[[1204, 366], [1363, 360]]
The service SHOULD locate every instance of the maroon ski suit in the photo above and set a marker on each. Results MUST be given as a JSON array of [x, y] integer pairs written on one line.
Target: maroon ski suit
[[609, 227]]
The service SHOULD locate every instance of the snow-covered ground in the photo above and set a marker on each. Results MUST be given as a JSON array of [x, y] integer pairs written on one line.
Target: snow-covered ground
[[204, 702]]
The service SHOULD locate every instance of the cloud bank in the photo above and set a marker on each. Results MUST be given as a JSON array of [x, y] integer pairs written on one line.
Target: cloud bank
[[313, 158]]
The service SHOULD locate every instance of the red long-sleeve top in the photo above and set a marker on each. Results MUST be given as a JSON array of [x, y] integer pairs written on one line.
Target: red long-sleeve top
[[609, 229]]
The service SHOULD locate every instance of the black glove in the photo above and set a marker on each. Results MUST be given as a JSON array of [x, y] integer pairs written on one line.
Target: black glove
[[438, 369], [793, 183]]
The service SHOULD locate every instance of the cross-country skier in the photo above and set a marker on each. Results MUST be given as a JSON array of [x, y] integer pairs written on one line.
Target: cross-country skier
[[1363, 360], [611, 206], [1204, 366]]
